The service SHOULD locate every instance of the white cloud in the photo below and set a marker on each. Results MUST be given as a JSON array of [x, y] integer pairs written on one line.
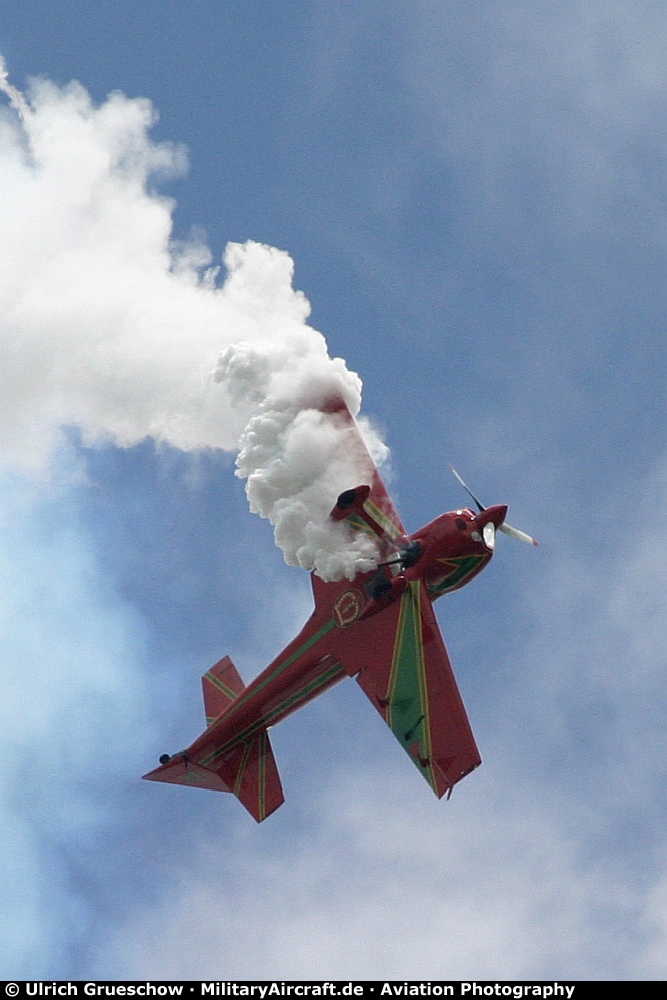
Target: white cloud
[[548, 110], [106, 325], [548, 862], [385, 885], [654, 924], [74, 720]]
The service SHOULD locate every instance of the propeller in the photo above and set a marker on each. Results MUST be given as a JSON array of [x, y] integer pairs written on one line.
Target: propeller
[[507, 529]]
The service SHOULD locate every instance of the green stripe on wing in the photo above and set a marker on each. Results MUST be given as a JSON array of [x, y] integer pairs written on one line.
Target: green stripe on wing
[[408, 709]]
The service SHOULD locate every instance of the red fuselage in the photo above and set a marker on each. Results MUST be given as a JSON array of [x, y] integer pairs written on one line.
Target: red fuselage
[[378, 627], [454, 549]]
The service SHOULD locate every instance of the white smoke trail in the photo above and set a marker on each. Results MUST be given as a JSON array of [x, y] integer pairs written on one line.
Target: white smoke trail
[[108, 325]]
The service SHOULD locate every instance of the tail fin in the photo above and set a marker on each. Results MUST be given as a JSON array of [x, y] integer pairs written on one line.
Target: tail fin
[[222, 685], [249, 771]]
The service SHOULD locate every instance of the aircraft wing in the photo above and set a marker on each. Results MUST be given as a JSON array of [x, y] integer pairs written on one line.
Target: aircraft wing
[[405, 670], [367, 508], [407, 676]]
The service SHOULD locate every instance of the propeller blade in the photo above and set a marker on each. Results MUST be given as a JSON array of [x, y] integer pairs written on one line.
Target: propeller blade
[[480, 506], [520, 536]]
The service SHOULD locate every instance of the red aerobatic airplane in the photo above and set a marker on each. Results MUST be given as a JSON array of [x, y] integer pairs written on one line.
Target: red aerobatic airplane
[[379, 628]]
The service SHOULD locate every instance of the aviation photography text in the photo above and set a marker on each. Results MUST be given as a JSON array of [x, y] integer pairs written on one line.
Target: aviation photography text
[[264, 990]]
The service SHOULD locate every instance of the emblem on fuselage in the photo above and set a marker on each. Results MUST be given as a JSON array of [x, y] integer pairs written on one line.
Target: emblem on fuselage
[[347, 608]]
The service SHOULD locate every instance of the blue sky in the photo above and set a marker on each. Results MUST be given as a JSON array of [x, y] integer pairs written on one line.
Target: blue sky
[[474, 201]]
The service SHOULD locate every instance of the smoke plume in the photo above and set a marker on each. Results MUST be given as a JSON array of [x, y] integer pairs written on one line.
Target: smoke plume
[[107, 324]]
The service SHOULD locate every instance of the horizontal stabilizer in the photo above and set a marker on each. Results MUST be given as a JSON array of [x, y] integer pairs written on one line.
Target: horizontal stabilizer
[[251, 772], [222, 685], [181, 771], [248, 770]]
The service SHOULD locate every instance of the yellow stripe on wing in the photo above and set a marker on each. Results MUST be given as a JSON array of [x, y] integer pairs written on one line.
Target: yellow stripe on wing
[[385, 523]]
